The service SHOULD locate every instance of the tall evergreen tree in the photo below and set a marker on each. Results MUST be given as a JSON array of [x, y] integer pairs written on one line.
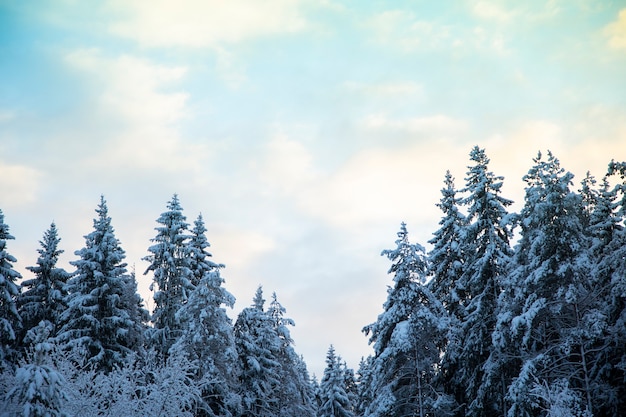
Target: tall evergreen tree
[[207, 337], [170, 263], [9, 291], [335, 401], [97, 320], [446, 258], [409, 338], [487, 256], [549, 292], [42, 296]]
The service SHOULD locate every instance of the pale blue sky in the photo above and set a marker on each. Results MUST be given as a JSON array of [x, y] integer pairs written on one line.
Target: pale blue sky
[[304, 131]]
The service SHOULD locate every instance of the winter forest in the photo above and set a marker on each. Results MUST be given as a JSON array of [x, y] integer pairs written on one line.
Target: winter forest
[[507, 314]]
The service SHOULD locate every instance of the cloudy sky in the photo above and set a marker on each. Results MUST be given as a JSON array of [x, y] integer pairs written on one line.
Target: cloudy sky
[[304, 131]]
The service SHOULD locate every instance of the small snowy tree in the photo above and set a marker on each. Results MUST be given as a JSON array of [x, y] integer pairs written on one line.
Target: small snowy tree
[[39, 387], [170, 263], [42, 296], [335, 401], [9, 291], [258, 345], [293, 394]]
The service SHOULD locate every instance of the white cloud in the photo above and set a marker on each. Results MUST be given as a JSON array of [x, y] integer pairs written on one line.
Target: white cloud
[[385, 89], [287, 164], [19, 185], [492, 11], [401, 29], [133, 97], [616, 31], [383, 186], [204, 23], [502, 12], [435, 125]]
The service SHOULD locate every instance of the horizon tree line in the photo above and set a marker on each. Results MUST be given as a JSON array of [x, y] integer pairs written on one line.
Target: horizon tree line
[[479, 325]]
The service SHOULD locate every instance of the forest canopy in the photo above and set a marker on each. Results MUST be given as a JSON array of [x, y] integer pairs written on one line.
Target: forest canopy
[[518, 314]]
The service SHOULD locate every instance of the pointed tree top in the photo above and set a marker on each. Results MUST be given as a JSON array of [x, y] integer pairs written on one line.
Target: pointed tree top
[[258, 301]]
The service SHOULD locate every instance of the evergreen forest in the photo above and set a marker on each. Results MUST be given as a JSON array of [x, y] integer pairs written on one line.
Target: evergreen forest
[[506, 314]]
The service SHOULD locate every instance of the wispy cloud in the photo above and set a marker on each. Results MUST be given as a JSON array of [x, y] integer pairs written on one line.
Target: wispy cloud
[[616, 31], [136, 98], [198, 23], [435, 125], [20, 185], [385, 89]]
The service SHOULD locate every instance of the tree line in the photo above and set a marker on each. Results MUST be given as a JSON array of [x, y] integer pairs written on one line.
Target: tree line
[[510, 314]]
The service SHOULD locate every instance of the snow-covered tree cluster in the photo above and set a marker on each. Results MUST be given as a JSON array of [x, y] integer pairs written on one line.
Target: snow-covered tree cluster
[[492, 323], [508, 314], [81, 343]]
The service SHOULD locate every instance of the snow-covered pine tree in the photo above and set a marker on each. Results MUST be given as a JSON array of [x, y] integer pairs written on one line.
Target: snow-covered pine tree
[[408, 338], [97, 320], [335, 401], [609, 253], [39, 387], [170, 263], [42, 296], [9, 291], [207, 339], [294, 394], [199, 258], [550, 292], [445, 260], [485, 246], [364, 379], [445, 268], [258, 344]]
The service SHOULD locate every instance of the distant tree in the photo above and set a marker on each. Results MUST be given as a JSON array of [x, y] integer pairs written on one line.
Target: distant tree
[[170, 263], [364, 379], [258, 345], [42, 296], [97, 320], [207, 340], [294, 393], [9, 291], [335, 401]]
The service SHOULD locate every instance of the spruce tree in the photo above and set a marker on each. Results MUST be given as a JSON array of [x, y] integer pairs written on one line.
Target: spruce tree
[[10, 320], [97, 321], [42, 296], [294, 395], [39, 389], [409, 338], [207, 336], [258, 344], [487, 255], [335, 401], [550, 295], [170, 263]]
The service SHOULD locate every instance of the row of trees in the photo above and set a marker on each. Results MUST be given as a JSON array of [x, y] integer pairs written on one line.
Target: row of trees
[[478, 327], [79, 343], [482, 324]]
